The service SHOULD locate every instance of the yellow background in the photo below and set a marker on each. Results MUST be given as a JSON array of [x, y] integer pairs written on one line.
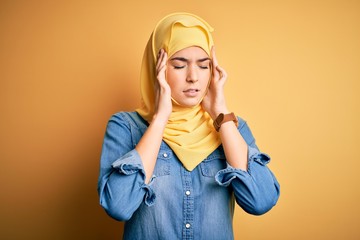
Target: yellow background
[[66, 66]]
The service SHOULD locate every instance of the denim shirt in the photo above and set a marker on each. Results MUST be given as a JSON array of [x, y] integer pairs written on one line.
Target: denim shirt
[[176, 203]]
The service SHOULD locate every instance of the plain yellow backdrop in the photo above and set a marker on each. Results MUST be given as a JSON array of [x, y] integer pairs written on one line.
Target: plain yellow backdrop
[[66, 66]]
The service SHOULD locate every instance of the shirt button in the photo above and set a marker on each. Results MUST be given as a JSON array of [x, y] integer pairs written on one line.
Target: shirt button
[[187, 193], [165, 155], [187, 225]]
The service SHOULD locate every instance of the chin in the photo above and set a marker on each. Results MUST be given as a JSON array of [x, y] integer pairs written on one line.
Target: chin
[[189, 104]]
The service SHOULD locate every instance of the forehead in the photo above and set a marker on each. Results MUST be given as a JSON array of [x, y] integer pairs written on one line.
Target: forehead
[[191, 52]]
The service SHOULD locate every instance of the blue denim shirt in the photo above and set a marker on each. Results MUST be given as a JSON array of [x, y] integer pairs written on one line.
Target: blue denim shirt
[[179, 204]]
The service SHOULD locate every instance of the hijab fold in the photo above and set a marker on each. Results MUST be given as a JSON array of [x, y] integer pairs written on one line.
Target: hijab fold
[[189, 131]]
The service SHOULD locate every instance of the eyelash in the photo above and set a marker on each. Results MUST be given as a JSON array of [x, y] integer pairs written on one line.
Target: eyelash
[[181, 67]]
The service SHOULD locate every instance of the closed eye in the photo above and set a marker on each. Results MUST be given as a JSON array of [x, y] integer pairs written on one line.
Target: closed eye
[[204, 63], [179, 67], [204, 67]]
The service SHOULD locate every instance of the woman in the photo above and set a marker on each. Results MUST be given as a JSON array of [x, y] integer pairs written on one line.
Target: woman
[[173, 168]]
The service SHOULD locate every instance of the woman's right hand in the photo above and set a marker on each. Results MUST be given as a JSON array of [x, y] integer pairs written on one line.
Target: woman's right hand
[[149, 145], [163, 103]]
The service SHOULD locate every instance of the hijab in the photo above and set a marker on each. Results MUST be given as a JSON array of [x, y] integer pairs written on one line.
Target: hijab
[[189, 131]]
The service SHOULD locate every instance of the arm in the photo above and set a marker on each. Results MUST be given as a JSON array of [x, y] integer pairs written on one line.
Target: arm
[[121, 185], [255, 187], [149, 145], [234, 145], [125, 172]]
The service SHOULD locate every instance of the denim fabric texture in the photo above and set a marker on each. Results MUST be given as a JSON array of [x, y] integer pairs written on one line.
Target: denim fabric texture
[[176, 203]]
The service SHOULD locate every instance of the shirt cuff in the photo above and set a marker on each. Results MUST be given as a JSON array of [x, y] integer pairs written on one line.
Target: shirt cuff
[[130, 164], [225, 176], [255, 155]]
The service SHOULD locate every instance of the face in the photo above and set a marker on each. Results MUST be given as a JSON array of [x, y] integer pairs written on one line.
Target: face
[[188, 73]]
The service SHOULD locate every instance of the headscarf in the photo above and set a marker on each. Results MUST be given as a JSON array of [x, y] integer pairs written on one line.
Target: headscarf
[[189, 131]]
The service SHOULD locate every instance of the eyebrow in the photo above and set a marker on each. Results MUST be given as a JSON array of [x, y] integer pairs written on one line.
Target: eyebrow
[[182, 59]]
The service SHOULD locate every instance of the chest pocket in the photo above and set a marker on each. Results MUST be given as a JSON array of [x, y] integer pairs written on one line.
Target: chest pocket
[[162, 166], [212, 164]]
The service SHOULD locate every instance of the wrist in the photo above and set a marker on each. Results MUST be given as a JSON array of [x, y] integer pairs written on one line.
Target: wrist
[[215, 114], [223, 118], [160, 120]]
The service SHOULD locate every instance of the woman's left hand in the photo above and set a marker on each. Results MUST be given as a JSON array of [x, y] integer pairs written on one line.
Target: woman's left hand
[[214, 101]]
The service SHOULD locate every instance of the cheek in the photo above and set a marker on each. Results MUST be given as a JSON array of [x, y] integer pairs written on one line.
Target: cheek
[[205, 78], [173, 78]]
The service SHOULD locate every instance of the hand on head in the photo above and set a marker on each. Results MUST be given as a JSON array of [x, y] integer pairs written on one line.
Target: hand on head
[[214, 101], [163, 104]]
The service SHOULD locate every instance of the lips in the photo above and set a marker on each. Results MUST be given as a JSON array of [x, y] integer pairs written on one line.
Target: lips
[[191, 92]]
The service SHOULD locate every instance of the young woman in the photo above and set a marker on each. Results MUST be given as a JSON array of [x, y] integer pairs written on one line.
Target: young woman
[[174, 168]]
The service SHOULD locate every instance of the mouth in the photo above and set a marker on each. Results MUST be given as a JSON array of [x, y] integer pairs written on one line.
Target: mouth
[[191, 90]]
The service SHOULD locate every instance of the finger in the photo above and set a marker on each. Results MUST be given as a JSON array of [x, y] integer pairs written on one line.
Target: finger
[[214, 63], [223, 73], [213, 56], [161, 72], [159, 53], [162, 61], [159, 58]]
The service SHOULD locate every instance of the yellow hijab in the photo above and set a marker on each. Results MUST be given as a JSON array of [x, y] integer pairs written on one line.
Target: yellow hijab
[[189, 131]]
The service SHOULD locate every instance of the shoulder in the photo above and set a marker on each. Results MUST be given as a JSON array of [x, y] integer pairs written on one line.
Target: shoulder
[[123, 125], [129, 119]]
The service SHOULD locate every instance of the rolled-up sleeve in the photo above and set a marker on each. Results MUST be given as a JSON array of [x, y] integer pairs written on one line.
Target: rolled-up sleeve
[[257, 189], [121, 184]]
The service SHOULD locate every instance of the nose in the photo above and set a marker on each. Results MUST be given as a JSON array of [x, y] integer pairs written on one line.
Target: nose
[[192, 75]]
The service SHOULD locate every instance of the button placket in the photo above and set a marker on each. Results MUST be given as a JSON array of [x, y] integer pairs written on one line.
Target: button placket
[[188, 205]]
